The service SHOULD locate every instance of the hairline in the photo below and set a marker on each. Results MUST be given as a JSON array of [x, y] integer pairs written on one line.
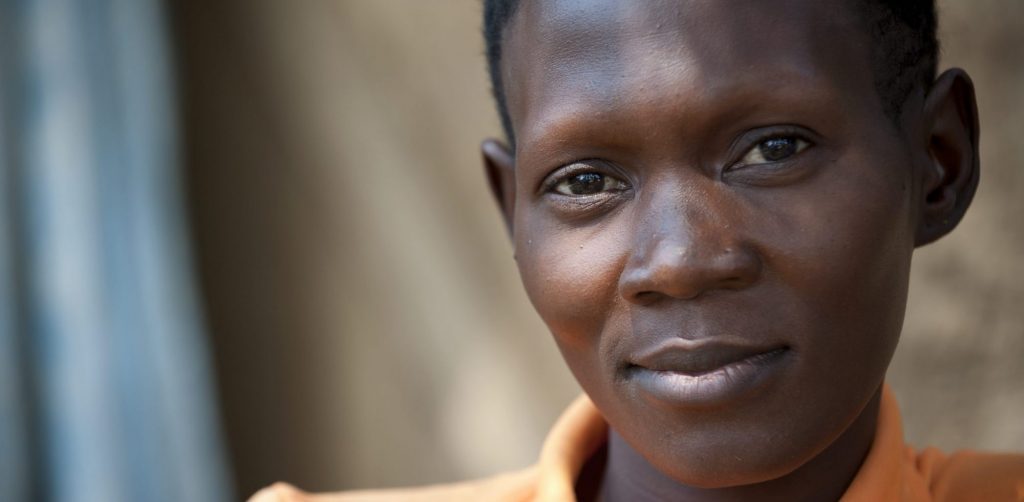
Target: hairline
[[877, 22]]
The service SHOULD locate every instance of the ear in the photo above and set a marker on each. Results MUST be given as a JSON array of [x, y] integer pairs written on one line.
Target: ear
[[951, 176], [499, 165]]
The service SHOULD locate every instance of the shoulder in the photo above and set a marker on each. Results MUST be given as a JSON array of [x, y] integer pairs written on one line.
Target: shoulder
[[971, 475], [515, 486], [577, 434]]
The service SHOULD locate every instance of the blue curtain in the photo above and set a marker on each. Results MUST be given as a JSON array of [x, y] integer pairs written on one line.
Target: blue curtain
[[105, 385]]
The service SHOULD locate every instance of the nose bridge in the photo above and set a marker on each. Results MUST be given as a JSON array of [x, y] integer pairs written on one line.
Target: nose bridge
[[679, 228], [686, 244]]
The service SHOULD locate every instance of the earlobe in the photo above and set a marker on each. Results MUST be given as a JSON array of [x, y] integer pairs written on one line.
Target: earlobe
[[951, 176], [499, 166]]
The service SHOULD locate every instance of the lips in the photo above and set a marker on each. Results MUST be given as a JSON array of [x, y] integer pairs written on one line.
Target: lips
[[695, 358], [705, 373]]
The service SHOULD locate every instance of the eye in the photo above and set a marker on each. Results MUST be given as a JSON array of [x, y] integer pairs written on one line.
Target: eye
[[587, 183], [775, 149]]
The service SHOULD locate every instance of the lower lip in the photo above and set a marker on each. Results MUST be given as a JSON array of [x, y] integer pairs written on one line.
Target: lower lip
[[714, 388]]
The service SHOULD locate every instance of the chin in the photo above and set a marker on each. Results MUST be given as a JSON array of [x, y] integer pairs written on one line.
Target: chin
[[717, 467]]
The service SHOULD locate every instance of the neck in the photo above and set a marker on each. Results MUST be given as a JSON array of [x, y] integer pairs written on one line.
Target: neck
[[629, 477]]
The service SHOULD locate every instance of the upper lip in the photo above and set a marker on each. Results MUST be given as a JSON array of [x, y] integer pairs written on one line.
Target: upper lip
[[697, 357]]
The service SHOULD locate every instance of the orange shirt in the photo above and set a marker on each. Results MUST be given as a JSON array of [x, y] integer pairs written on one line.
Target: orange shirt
[[892, 470]]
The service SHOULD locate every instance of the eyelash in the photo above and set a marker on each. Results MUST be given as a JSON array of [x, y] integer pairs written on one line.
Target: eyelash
[[586, 167], [802, 144], [575, 169]]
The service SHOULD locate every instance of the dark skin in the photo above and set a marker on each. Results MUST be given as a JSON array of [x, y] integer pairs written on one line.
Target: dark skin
[[715, 218]]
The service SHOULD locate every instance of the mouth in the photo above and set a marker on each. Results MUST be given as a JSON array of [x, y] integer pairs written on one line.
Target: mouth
[[698, 374]]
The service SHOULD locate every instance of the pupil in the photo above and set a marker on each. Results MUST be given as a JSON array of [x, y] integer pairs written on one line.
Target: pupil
[[586, 183], [777, 148]]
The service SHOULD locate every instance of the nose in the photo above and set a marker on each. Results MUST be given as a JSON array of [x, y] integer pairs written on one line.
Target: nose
[[684, 252]]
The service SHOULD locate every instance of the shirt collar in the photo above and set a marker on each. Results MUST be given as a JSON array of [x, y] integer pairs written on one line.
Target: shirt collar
[[581, 431]]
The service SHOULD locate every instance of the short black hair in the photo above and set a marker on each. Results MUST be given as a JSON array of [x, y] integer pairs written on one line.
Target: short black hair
[[904, 54]]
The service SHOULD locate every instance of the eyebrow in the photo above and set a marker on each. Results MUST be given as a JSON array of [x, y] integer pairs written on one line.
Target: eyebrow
[[561, 127]]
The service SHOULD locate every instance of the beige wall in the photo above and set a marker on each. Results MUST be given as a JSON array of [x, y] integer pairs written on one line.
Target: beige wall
[[367, 318], [959, 372]]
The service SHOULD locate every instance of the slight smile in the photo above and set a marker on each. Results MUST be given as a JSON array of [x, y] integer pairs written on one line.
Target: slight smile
[[685, 374]]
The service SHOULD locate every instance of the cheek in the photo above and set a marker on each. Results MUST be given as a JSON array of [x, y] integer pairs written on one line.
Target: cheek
[[848, 259], [571, 276]]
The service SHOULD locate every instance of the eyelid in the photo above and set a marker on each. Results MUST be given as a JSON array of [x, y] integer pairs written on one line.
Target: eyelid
[[752, 138], [559, 175]]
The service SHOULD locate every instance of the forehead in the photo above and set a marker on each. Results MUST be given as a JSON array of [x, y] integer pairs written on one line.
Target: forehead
[[615, 58]]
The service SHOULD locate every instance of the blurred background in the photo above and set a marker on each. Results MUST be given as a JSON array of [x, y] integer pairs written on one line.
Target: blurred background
[[244, 241]]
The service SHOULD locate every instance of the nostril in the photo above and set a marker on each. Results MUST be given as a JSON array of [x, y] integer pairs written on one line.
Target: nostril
[[734, 281], [645, 297]]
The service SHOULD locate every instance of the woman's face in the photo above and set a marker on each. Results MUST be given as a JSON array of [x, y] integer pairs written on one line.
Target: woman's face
[[715, 219]]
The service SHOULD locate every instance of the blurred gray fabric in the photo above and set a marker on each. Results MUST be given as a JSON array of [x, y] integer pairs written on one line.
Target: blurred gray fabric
[[105, 392], [369, 324]]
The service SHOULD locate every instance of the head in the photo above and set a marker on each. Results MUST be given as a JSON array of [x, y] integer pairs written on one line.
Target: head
[[714, 207]]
